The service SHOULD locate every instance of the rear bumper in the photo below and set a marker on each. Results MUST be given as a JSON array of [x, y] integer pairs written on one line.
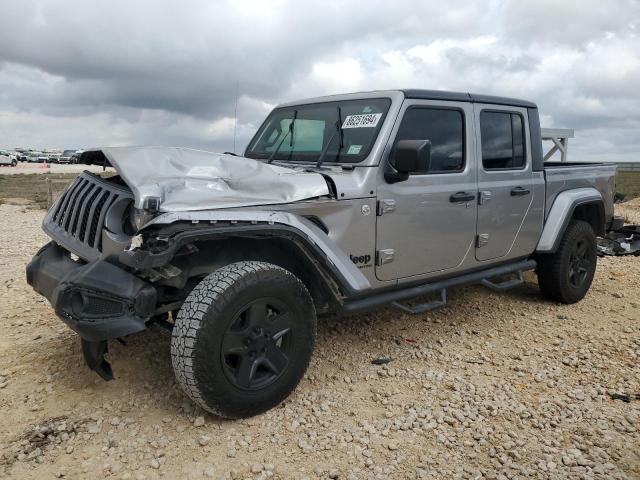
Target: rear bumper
[[97, 300]]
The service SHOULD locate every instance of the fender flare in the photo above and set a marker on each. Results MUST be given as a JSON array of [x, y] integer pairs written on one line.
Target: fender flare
[[274, 223], [561, 213]]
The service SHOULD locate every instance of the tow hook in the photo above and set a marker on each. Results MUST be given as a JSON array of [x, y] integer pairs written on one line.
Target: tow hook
[[94, 357]]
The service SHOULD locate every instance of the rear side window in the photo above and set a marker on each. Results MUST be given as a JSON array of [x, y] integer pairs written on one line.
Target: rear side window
[[444, 128], [502, 140]]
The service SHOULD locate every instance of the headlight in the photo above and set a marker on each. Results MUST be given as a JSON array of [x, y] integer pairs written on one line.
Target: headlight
[[140, 217], [150, 208]]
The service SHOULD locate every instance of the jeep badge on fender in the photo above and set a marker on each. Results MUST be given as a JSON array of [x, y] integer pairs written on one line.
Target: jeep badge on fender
[[360, 259]]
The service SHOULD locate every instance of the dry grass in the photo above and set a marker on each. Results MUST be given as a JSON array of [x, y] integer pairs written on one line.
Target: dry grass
[[628, 183], [32, 187]]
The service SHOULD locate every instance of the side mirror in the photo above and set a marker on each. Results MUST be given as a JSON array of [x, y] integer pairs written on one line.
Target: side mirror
[[409, 156]]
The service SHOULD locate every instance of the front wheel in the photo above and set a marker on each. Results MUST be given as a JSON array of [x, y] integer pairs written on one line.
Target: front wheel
[[566, 275], [243, 339]]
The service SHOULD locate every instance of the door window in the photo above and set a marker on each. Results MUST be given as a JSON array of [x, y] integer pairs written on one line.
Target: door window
[[502, 136], [444, 128]]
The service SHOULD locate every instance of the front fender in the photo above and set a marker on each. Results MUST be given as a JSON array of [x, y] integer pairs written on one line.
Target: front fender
[[561, 213], [209, 224]]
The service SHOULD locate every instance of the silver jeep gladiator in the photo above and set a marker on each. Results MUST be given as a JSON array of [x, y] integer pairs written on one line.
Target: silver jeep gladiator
[[339, 204]]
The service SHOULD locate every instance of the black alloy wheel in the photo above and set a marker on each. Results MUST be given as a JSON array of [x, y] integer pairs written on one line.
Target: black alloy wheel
[[256, 345], [579, 263]]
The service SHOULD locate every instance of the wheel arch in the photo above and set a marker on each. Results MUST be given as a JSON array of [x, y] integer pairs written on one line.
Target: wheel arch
[[282, 251], [591, 212], [287, 240], [584, 204]]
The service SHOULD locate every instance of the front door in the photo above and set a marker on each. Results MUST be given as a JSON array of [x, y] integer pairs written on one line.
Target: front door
[[505, 181], [426, 224]]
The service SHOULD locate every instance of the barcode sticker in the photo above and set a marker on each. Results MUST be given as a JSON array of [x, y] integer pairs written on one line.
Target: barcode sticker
[[362, 121]]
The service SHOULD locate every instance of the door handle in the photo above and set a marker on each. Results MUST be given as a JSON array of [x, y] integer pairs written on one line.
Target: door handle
[[461, 197], [519, 191]]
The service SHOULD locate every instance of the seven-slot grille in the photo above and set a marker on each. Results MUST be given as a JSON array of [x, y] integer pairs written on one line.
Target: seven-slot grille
[[78, 215]]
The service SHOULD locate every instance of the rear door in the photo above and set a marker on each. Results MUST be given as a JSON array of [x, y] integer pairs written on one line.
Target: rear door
[[505, 182], [426, 224]]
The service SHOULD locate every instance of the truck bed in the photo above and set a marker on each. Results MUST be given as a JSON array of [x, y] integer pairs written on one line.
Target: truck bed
[[568, 175]]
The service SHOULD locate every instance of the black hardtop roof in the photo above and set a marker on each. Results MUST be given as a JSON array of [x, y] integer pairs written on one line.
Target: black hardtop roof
[[466, 97]]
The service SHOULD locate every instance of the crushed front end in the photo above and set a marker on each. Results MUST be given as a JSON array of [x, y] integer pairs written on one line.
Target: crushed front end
[[109, 270], [89, 291]]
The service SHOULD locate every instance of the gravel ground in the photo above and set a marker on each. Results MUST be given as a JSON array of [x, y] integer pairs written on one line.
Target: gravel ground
[[493, 386], [630, 211]]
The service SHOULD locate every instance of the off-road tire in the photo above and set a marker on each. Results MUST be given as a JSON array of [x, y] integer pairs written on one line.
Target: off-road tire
[[211, 309], [554, 270]]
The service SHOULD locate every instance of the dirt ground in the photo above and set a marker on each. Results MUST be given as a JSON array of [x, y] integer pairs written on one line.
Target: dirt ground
[[493, 386]]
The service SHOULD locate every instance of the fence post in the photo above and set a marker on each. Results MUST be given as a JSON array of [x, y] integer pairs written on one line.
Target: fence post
[[49, 193]]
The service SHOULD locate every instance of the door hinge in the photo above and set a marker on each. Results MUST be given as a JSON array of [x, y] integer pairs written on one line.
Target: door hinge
[[385, 206], [385, 256], [483, 197], [482, 239]]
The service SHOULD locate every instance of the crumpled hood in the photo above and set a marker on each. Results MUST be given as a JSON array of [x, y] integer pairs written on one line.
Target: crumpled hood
[[185, 179]]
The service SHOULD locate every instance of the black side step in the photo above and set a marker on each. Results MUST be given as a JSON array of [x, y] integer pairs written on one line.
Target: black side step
[[504, 285], [423, 307], [377, 299]]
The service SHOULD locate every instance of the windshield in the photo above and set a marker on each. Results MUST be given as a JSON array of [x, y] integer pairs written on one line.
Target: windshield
[[315, 125]]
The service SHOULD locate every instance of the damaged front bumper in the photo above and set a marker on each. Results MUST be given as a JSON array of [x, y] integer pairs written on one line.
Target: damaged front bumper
[[97, 300]]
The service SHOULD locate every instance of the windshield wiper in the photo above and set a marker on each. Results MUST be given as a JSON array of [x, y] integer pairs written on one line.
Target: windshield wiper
[[337, 132], [289, 133]]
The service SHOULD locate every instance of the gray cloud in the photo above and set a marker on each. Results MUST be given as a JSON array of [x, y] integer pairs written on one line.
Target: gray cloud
[[160, 72]]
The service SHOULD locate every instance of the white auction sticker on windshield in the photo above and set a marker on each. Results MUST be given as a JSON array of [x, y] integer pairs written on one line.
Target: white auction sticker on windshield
[[362, 121]]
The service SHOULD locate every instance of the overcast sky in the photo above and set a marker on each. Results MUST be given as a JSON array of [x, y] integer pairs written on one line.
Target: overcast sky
[[86, 73]]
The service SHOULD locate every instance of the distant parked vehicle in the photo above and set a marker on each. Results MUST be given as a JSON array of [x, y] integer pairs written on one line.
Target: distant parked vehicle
[[42, 158], [32, 156], [22, 156], [54, 157], [7, 158], [67, 156]]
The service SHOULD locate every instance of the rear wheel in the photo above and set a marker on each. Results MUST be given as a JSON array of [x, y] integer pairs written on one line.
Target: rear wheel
[[243, 339], [566, 275]]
